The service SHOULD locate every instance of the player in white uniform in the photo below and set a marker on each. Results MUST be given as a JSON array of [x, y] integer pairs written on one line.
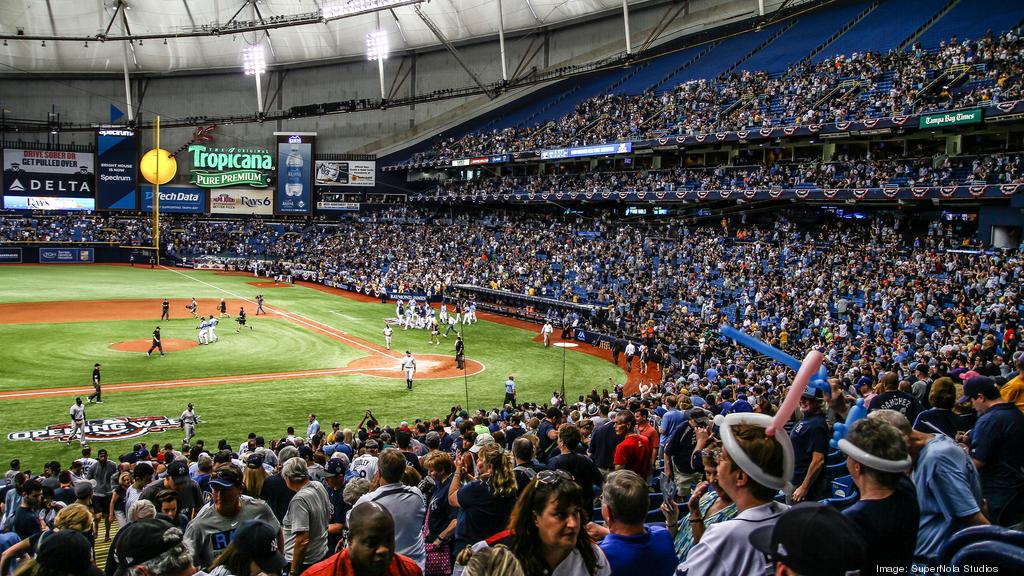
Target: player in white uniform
[[399, 310], [77, 413], [211, 327], [203, 329], [188, 423], [443, 314], [409, 366], [471, 313], [387, 336]]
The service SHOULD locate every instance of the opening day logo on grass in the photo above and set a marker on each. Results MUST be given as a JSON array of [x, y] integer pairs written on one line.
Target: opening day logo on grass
[[219, 167], [102, 430]]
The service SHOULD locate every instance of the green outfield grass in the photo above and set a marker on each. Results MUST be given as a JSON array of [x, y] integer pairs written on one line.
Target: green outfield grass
[[39, 356]]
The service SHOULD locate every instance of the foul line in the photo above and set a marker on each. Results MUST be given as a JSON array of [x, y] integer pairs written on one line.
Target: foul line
[[298, 319]]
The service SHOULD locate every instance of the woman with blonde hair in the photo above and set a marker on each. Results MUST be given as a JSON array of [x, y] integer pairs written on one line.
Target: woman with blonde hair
[[119, 500], [253, 475], [487, 500], [496, 561]]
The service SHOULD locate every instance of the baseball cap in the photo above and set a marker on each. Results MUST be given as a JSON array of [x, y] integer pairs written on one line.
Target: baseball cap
[[83, 490], [66, 551], [812, 539], [976, 385], [813, 393], [226, 475], [178, 470], [433, 436], [144, 540], [258, 540], [254, 460], [481, 441], [969, 374], [335, 467], [863, 381]]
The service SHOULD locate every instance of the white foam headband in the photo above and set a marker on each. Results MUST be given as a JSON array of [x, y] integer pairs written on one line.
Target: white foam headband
[[737, 455], [872, 461]]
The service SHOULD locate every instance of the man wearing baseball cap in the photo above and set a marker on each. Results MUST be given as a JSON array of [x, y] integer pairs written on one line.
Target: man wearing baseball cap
[[996, 445], [334, 481], [811, 539], [214, 526], [177, 478]]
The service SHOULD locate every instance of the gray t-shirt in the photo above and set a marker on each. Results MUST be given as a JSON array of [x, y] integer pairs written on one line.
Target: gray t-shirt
[[102, 473], [308, 512], [211, 533]]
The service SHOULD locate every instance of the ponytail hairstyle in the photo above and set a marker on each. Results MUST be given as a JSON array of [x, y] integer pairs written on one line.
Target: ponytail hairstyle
[[503, 478]]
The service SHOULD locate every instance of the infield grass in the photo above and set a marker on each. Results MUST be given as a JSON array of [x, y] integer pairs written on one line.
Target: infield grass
[[54, 355]]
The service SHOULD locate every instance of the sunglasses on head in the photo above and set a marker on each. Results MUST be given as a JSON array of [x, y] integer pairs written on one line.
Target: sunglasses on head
[[553, 476]]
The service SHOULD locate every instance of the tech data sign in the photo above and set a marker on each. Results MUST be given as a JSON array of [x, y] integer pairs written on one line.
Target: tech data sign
[[220, 167], [102, 430]]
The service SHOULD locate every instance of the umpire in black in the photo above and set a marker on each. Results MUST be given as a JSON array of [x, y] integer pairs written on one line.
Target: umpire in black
[[165, 314], [96, 384], [156, 343], [460, 353]]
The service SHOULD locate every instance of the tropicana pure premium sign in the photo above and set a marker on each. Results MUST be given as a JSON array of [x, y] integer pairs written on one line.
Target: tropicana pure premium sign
[[219, 167]]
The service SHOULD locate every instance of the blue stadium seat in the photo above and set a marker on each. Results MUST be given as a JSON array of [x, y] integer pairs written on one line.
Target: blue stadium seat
[[975, 534], [997, 557]]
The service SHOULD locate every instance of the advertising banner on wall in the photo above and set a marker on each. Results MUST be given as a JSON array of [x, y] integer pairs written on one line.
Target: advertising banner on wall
[[30, 175], [10, 255], [66, 255], [346, 173], [117, 153], [294, 172], [220, 167], [242, 201], [176, 199]]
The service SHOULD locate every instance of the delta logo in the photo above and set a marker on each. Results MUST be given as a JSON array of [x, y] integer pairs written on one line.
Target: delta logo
[[102, 430]]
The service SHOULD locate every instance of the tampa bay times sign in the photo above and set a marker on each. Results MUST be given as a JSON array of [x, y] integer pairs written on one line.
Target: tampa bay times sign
[[220, 167], [102, 430]]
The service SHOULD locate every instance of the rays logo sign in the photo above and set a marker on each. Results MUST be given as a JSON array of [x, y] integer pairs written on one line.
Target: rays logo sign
[[102, 430]]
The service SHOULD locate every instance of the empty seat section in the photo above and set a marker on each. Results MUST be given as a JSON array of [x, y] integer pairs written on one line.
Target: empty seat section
[[721, 57], [884, 28], [806, 35], [972, 19]]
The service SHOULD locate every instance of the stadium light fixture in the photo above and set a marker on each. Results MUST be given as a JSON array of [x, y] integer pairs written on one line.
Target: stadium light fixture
[[377, 49], [254, 63], [253, 60], [377, 45]]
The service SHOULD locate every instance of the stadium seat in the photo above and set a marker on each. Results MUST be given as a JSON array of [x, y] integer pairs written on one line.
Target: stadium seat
[[975, 534], [994, 557]]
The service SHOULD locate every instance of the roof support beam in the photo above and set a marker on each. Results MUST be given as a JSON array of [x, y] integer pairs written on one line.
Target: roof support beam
[[455, 53]]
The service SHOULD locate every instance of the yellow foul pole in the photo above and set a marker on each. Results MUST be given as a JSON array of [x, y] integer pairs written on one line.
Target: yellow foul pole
[[156, 194]]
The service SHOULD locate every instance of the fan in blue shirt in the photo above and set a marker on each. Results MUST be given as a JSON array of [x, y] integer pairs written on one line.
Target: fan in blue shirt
[[631, 547]]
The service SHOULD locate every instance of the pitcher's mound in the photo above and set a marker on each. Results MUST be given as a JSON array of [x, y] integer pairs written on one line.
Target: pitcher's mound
[[428, 366], [142, 345]]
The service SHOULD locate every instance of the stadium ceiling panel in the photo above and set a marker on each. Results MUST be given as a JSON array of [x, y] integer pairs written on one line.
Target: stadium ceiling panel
[[203, 34]]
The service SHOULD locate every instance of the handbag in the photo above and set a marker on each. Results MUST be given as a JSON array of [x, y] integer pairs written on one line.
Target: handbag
[[439, 558]]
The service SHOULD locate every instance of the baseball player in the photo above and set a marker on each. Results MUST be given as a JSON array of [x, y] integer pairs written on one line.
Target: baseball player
[[188, 424], [223, 308], [387, 336], [203, 330], [442, 315], [510, 390], [452, 320], [211, 328], [546, 332], [471, 312], [410, 314], [77, 413], [399, 310], [96, 384], [165, 313], [156, 343], [259, 305], [241, 321], [409, 366], [193, 307]]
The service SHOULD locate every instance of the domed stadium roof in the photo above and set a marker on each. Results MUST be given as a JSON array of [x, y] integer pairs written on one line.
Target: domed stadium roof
[[173, 35]]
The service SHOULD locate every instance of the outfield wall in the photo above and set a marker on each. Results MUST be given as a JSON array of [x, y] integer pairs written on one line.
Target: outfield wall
[[72, 253]]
